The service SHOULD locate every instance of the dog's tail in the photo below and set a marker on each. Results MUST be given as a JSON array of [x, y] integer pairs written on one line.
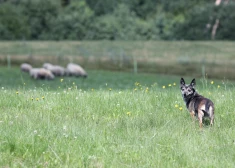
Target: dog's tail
[[209, 108]]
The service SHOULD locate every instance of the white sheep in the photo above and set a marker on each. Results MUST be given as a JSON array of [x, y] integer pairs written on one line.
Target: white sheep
[[46, 65], [55, 69], [76, 70], [25, 67], [59, 70], [41, 73]]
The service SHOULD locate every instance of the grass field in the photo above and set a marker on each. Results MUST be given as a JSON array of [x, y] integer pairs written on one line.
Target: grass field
[[215, 59], [111, 119]]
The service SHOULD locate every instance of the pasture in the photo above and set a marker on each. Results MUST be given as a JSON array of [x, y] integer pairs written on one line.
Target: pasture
[[111, 119], [197, 58]]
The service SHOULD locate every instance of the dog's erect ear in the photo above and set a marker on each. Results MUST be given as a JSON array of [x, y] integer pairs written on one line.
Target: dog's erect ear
[[182, 82], [193, 83]]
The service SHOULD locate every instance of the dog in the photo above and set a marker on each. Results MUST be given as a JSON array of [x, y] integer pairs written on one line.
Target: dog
[[197, 105]]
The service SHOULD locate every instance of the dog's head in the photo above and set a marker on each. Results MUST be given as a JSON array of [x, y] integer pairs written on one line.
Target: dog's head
[[187, 89]]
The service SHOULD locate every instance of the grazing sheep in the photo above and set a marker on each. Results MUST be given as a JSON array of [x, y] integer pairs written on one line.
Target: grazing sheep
[[47, 65], [41, 73], [59, 70], [55, 69], [76, 70], [25, 67]]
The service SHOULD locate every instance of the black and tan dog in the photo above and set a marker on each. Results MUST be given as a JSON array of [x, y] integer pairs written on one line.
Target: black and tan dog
[[196, 104]]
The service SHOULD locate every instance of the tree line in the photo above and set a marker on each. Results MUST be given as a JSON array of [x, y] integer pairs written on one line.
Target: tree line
[[117, 20]]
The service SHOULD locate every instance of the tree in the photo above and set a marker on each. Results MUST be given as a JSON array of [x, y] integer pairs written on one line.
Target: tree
[[65, 3], [40, 16], [13, 24], [73, 22]]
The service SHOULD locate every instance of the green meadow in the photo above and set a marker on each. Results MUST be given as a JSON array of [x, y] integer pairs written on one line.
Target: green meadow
[[111, 119]]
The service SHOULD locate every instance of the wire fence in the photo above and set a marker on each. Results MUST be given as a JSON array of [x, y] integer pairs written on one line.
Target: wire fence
[[177, 58]]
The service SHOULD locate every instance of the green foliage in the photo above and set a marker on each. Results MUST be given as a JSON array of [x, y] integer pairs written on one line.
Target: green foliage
[[102, 7], [199, 23], [144, 9], [40, 16], [194, 27], [123, 25], [163, 25], [73, 22], [115, 19], [226, 27], [13, 24]]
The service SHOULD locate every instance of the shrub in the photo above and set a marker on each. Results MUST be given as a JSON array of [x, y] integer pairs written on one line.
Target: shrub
[[12, 23], [122, 24], [40, 16], [73, 22]]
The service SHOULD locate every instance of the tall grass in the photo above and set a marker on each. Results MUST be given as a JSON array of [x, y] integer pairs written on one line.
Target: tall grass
[[140, 125]]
